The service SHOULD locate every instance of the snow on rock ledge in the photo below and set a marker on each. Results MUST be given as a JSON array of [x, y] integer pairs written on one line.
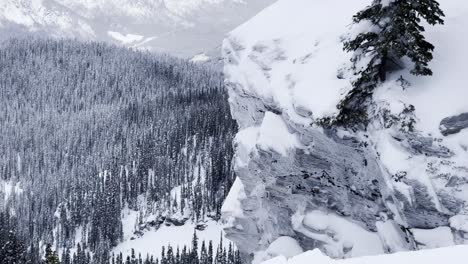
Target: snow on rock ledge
[[281, 57], [284, 69]]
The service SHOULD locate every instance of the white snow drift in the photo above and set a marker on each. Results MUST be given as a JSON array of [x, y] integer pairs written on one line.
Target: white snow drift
[[452, 255]]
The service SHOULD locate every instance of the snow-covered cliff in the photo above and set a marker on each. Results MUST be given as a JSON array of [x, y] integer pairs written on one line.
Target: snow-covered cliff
[[400, 185]]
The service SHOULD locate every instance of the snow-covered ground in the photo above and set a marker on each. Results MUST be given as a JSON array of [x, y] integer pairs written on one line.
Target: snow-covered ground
[[8, 188], [452, 255], [434, 238], [151, 242]]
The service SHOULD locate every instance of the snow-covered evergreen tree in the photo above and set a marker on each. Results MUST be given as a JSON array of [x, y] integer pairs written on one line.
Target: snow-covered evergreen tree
[[395, 32], [12, 248], [51, 256]]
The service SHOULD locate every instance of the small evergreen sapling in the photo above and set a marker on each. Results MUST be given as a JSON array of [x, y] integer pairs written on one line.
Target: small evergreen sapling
[[395, 33], [51, 256]]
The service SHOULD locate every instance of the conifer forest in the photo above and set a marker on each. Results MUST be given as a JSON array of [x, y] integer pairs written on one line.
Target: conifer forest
[[88, 129]]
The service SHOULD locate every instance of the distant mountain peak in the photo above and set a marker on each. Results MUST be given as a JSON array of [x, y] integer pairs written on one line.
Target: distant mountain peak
[[180, 27]]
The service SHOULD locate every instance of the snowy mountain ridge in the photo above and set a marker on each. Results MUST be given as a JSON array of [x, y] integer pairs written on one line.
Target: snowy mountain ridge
[[400, 185], [182, 28]]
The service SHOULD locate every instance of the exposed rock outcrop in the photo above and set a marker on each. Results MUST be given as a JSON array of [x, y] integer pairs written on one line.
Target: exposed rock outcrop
[[454, 124]]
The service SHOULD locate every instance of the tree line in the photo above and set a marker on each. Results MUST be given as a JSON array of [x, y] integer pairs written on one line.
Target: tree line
[[195, 254]]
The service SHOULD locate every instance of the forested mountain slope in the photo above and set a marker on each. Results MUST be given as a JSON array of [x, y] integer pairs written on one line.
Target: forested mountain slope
[[89, 130]]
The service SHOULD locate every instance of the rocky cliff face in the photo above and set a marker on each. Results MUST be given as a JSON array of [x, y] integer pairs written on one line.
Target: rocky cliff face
[[399, 185]]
